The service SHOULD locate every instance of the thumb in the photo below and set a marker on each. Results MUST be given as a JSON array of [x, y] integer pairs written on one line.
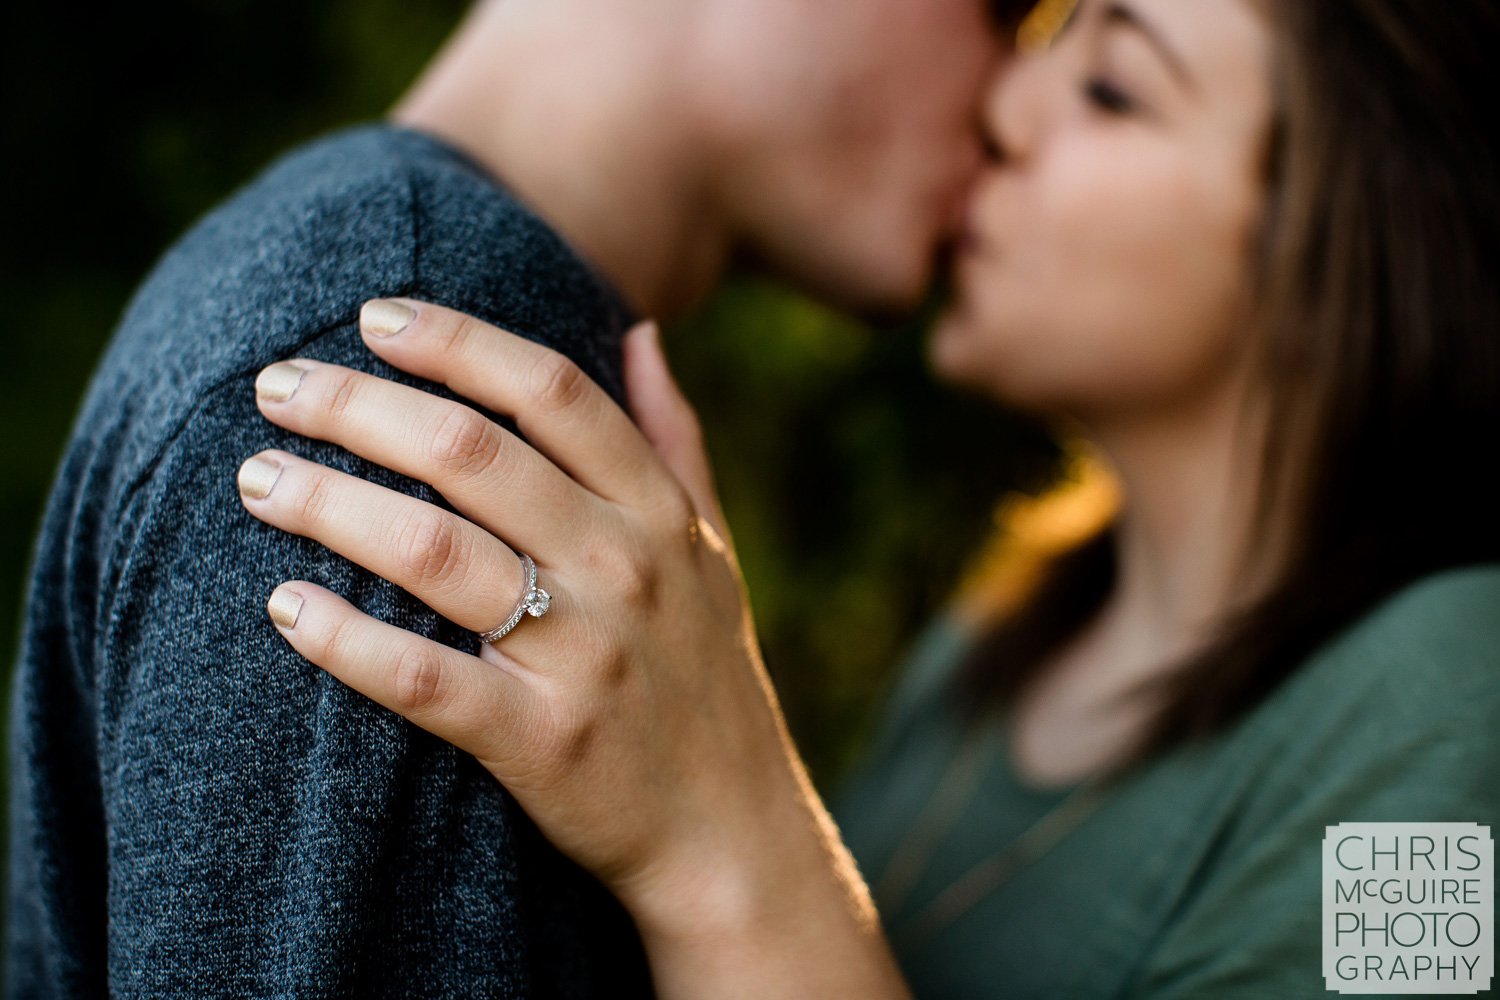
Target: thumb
[[668, 420]]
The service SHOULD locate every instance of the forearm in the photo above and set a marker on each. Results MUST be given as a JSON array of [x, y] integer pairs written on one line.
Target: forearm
[[783, 913]]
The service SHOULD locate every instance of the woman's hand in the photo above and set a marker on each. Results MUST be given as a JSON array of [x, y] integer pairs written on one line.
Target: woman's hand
[[647, 644], [634, 722]]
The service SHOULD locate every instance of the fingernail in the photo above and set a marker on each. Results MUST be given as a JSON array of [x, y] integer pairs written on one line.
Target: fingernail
[[383, 317], [644, 329], [257, 476], [279, 382], [284, 606]]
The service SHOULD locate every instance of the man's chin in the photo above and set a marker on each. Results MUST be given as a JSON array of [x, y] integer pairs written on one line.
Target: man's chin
[[896, 299], [877, 292]]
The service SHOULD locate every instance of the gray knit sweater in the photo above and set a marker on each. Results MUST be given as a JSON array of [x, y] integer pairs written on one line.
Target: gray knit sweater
[[196, 810]]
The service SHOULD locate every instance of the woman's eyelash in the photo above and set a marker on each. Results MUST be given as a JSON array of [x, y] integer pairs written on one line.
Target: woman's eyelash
[[1107, 96]]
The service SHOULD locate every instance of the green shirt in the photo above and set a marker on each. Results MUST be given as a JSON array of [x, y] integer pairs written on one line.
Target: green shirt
[[1201, 875]]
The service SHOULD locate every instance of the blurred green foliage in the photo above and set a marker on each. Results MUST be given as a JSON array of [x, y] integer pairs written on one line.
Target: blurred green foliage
[[854, 486]]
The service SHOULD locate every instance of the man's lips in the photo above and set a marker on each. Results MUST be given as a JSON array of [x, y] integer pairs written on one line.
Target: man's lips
[[961, 234], [966, 238]]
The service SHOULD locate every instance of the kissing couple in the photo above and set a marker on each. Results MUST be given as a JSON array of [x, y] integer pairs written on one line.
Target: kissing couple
[[385, 636]]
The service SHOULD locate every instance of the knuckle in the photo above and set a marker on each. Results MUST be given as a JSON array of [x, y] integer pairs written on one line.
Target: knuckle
[[575, 730], [558, 382], [459, 334], [697, 528], [312, 501], [611, 671], [430, 548], [338, 644], [465, 442], [629, 574], [340, 402], [417, 680], [677, 509], [527, 756]]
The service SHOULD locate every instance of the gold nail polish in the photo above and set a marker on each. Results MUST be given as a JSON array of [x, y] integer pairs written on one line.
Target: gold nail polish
[[257, 476], [284, 607], [279, 381], [383, 317]]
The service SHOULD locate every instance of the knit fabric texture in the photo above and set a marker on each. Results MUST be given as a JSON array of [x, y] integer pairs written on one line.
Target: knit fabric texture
[[197, 810]]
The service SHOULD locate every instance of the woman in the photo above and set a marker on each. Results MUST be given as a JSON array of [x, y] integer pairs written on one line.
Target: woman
[[1244, 248]]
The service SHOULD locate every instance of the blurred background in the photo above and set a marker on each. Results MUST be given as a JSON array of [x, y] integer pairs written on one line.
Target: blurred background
[[857, 490]]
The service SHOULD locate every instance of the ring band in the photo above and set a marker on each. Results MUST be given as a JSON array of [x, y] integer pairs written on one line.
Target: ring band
[[534, 602]]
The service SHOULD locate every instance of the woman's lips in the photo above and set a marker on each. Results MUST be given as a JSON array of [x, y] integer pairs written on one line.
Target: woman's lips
[[968, 242]]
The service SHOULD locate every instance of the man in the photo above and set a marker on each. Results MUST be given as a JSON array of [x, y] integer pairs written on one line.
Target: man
[[197, 811]]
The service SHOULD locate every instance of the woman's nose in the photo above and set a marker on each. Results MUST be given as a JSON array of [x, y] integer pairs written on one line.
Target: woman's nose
[[1013, 108]]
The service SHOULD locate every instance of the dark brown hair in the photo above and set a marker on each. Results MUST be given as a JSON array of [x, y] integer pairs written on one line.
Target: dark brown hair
[[1375, 277]]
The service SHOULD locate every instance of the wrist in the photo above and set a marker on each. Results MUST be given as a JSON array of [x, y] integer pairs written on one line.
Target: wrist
[[736, 877], [750, 826], [763, 906]]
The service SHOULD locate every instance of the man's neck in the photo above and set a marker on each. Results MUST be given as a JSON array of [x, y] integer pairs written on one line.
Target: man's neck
[[577, 115]]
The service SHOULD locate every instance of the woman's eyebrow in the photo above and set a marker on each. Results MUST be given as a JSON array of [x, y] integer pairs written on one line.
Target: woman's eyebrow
[[1122, 14]]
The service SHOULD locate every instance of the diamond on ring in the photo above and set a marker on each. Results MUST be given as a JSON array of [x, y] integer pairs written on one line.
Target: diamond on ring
[[537, 602], [534, 602]]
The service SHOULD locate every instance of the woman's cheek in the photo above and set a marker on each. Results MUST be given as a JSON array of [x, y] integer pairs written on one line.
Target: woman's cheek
[[995, 342], [1105, 277], [1071, 297]]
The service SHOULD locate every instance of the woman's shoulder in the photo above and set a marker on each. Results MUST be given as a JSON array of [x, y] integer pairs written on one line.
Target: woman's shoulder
[[1460, 600], [1432, 644], [1395, 718]]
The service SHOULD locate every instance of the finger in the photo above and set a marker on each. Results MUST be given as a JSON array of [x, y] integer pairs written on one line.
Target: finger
[[556, 405], [668, 420], [459, 570], [496, 479], [477, 706]]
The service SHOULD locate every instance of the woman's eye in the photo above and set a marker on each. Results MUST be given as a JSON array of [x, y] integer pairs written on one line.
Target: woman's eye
[[1107, 97]]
